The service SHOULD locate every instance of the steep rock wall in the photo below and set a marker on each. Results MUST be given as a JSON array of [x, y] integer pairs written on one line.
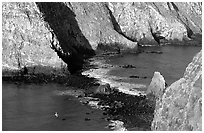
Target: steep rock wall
[[151, 23], [180, 107], [26, 40], [95, 21]]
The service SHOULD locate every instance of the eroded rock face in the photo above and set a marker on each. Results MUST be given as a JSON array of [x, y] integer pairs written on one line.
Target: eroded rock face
[[26, 40], [180, 107], [76, 30], [150, 23], [95, 21]]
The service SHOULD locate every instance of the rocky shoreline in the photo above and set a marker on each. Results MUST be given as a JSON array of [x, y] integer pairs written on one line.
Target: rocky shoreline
[[117, 106], [50, 42], [135, 109]]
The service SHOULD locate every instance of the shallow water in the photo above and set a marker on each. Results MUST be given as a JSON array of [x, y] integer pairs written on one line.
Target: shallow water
[[32, 107], [171, 63]]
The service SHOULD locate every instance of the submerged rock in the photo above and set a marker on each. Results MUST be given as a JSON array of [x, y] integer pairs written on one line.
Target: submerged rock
[[128, 66], [180, 107]]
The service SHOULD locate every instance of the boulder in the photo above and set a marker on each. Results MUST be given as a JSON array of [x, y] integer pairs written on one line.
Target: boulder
[[103, 89], [157, 85]]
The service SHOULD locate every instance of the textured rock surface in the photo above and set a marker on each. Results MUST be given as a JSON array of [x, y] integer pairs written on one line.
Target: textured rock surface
[[157, 85], [96, 23], [158, 22], [180, 107], [26, 39], [76, 30]]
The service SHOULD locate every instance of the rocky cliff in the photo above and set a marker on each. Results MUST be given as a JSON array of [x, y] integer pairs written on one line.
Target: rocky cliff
[[76, 31], [158, 22], [180, 106], [26, 40]]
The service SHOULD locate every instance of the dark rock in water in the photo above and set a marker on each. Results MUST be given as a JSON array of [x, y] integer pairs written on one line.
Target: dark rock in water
[[155, 52], [80, 96], [24, 71], [180, 107], [87, 119], [128, 66], [135, 76], [103, 89], [132, 110], [104, 113], [87, 113]]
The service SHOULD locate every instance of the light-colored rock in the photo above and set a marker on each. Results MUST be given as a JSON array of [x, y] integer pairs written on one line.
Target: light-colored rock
[[180, 107], [157, 85], [157, 22], [26, 39]]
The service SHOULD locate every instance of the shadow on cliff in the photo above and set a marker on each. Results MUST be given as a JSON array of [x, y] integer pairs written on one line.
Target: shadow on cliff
[[75, 47]]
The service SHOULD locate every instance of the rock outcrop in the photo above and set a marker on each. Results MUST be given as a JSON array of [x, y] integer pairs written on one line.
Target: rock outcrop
[[157, 86], [180, 107], [158, 22], [26, 40]]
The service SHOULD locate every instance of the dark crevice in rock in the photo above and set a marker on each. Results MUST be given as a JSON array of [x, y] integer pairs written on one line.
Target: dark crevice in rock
[[75, 46], [174, 6], [184, 22], [114, 22], [116, 25], [156, 36]]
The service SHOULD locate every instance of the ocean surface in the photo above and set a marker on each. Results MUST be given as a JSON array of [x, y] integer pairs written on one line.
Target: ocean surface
[[31, 107], [170, 61]]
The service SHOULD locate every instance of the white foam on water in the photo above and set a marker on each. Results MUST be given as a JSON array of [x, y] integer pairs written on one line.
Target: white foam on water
[[103, 78]]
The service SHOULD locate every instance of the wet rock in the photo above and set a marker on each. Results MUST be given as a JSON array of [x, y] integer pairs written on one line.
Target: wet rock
[[135, 76], [180, 107], [87, 119], [128, 66], [103, 89], [104, 113], [128, 108], [154, 52]]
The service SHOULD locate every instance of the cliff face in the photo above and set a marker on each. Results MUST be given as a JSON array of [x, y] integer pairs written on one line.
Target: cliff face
[[26, 39], [180, 107], [158, 22], [76, 30]]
